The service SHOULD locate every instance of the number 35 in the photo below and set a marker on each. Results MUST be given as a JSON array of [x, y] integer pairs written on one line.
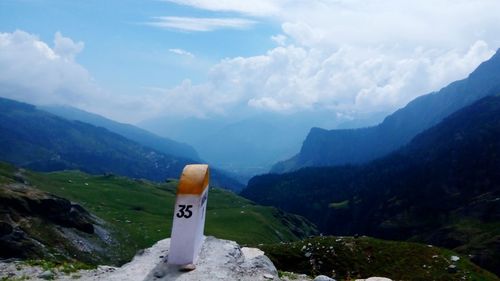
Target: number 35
[[184, 211]]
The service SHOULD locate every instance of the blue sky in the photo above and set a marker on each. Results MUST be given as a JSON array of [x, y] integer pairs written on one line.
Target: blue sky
[[213, 58], [124, 53]]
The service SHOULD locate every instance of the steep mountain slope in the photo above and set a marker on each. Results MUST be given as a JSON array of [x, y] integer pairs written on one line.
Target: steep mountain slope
[[41, 141], [443, 188], [338, 147], [133, 133]]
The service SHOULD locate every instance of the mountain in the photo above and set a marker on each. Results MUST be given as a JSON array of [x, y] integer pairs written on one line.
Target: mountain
[[249, 145], [244, 147], [39, 140], [353, 146], [442, 188], [136, 134]]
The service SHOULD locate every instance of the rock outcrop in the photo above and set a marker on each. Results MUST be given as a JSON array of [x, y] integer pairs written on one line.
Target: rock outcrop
[[219, 260], [35, 224]]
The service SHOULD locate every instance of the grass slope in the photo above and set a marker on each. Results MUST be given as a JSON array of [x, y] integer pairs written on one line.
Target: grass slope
[[349, 258], [140, 212]]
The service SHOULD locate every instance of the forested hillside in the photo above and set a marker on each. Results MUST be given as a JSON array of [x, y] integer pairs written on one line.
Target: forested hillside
[[443, 188]]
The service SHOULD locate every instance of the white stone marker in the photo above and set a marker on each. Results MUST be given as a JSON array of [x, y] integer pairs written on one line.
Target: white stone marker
[[189, 215]]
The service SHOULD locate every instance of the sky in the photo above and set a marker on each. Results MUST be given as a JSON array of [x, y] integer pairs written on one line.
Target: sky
[[132, 60]]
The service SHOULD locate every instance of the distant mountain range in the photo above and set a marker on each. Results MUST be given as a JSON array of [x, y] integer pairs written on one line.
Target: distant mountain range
[[442, 188], [251, 145], [131, 132], [352, 146], [41, 141]]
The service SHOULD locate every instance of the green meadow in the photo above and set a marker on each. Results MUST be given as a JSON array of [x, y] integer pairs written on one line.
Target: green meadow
[[138, 212]]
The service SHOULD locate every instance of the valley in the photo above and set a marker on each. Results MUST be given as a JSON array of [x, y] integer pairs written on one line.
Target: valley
[[273, 140]]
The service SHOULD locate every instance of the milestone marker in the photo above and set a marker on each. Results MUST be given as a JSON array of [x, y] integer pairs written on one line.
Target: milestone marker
[[189, 215]]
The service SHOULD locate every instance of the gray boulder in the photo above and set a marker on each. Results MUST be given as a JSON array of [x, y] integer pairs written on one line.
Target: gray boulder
[[323, 278]]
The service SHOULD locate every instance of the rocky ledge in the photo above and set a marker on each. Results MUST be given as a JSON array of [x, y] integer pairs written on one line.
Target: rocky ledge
[[38, 225], [219, 260]]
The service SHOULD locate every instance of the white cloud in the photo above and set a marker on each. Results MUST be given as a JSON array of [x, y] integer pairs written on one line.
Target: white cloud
[[279, 39], [181, 52], [66, 47], [201, 24], [349, 55], [349, 81], [427, 23], [254, 7], [33, 72], [342, 22]]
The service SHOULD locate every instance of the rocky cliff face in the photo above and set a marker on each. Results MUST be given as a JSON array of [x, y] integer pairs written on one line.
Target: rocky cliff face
[[36, 224]]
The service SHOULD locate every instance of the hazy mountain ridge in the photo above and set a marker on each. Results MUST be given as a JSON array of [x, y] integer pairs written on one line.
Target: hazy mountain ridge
[[165, 145], [42, 141], [245, 147], [442, 188], [251, 145], [353, 146]]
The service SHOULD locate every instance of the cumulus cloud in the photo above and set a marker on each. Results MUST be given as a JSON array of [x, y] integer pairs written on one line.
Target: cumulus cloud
[[279, 39], [65, 47], [349, 56], [349, 81], [36, 73], [200, 24], [32, 71]]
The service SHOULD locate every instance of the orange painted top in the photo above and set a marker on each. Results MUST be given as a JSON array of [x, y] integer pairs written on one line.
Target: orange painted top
[[194, 179]]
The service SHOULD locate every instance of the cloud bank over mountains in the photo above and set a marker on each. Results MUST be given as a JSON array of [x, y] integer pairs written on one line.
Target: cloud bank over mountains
[[349, 57], [31, 70]]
